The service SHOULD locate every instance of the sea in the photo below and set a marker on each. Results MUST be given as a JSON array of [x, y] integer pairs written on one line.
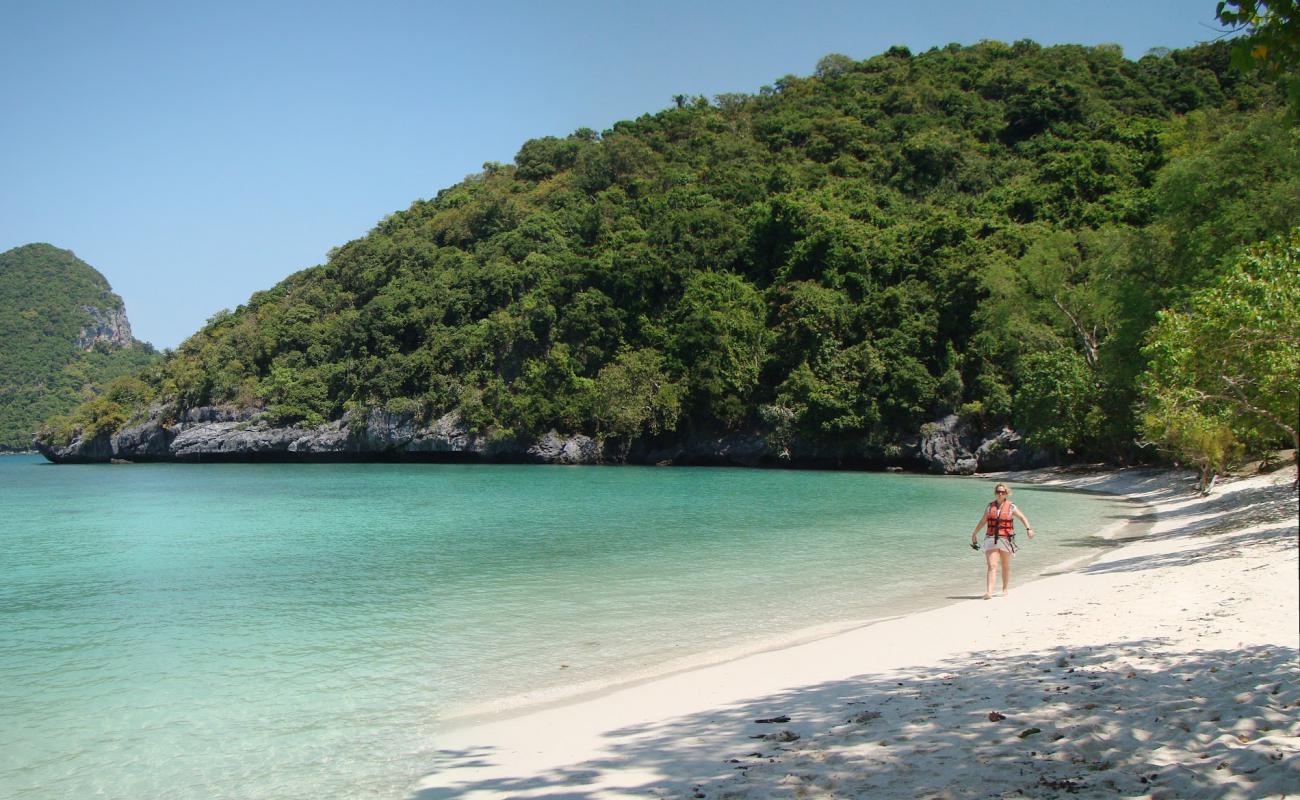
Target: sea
[[293, 631]]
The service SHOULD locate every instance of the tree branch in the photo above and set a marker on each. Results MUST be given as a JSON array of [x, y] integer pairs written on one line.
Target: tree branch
[[1242, 402], [1089, 339]]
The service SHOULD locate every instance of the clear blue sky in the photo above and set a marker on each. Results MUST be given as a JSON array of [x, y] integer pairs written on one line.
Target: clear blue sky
[[197, 152]]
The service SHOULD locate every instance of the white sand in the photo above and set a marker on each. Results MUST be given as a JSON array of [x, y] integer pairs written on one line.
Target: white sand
[[1166, 668]]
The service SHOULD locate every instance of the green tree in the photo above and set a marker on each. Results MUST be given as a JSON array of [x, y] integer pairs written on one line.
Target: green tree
[[1272, 40], [1227, 367], [1055, 401], [1232, 180], [635, 396], [717, 330], [1063, 291]]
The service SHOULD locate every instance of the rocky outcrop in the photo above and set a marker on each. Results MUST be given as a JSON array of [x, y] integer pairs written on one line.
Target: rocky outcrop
[[81, 450], [946, 447], [447, 434], [1005, 449], [227, 433], [230, 440], [223, 433], [950, 446], [108, 325], [552, 448], [149, 440]]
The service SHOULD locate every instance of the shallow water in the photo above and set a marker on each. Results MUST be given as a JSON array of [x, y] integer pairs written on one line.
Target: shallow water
[[302, 631]]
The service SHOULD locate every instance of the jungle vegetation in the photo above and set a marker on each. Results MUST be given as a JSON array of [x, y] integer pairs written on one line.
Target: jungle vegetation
[[990, 230], [43, 295]]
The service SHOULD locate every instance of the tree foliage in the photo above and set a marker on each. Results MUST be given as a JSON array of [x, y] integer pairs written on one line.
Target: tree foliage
[[1272, 40], [1225, 371], [634, 396]]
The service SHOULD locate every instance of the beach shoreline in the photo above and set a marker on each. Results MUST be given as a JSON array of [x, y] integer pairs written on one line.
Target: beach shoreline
[[533, 701], [905, 684]]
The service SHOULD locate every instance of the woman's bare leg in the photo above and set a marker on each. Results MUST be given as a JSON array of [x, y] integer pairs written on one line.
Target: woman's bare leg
[[1006, 574], [991, 559]]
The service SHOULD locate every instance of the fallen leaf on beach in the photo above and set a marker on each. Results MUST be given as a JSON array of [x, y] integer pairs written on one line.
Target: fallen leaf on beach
[[782, 718], [996, 717], [1027, 732]]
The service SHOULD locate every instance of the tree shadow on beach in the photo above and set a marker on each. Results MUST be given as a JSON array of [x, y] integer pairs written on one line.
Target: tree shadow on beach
[[1127, 718], [1216, 515], [1142, 484], [1281, 498], [1280, 539]]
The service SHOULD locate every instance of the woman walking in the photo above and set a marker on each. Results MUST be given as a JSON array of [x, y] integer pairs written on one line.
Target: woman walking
[[999, 522]]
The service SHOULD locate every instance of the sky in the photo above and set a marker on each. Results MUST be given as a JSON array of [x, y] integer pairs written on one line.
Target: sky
[[195, 153]]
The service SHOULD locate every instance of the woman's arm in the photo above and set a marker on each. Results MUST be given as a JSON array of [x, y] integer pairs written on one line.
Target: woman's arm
[[984, 520], [1028, 528]]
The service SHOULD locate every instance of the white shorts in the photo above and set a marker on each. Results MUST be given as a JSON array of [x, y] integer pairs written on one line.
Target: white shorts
[[1002, 544]]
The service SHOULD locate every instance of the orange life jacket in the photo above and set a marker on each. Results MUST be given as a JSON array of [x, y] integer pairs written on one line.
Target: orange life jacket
[[1001, 521]]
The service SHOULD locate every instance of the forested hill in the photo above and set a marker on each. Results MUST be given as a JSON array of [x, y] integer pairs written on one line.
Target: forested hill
[[61, 328], [836, 259]]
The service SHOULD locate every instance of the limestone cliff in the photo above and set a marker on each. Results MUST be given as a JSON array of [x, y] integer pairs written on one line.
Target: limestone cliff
[[108, 325]]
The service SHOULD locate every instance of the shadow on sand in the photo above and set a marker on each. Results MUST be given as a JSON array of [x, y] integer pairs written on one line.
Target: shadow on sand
[[1127, 719]]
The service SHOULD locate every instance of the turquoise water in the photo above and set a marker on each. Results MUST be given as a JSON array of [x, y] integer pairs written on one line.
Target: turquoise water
[[302, 631]]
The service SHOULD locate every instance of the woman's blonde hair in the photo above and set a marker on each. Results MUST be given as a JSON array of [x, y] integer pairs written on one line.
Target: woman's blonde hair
[[1003, 486]]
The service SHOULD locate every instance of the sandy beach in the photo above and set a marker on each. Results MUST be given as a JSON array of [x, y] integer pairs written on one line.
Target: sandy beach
[[1166, 667]]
